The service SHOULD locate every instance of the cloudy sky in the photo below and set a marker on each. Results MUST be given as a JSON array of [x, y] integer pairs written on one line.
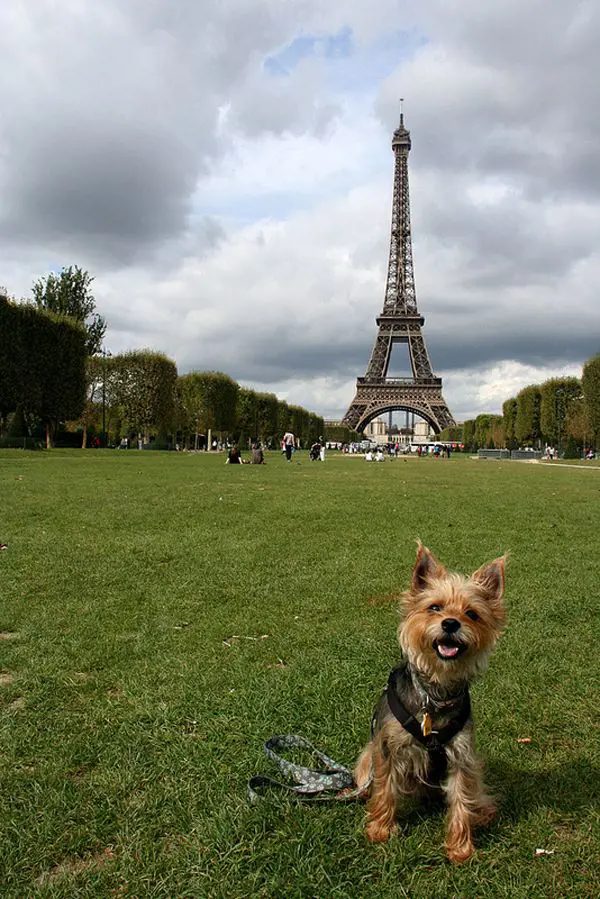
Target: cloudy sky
[[223, 168]]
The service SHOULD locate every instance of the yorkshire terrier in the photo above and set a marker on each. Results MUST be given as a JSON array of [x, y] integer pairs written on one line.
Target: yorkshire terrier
[[422, 740]]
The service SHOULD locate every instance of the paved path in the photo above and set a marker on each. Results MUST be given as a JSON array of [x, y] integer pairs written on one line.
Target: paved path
[[585, 467], [566, 465]]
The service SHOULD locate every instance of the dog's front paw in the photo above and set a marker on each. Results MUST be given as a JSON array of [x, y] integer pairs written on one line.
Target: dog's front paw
[[459, 853], [378, 833]]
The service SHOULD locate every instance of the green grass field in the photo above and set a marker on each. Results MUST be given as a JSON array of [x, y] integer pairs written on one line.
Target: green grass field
[[129, 727]]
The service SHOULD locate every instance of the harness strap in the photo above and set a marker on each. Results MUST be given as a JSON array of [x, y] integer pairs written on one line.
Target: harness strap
[[334, 783], [434, 742]]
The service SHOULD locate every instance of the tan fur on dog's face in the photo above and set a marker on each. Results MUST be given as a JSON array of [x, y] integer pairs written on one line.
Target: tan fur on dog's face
[[451, 622]]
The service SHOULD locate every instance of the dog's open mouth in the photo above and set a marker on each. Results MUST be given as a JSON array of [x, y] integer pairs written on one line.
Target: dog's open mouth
[[448, 649]]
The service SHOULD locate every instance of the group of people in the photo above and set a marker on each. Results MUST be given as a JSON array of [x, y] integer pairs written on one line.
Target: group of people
[[234, 456], [376, 456], [288, 446], [317, 451]]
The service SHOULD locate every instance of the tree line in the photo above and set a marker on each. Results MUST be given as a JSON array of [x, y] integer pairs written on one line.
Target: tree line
[[42, 367], [54, 374], [143, 394], [561, 412]]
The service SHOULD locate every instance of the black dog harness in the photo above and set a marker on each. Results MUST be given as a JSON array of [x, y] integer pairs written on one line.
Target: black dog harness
[[333, 780], [435, 741]]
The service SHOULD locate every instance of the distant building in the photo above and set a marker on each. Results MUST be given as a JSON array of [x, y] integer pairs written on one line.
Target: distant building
[[376, 431], [421, 432]]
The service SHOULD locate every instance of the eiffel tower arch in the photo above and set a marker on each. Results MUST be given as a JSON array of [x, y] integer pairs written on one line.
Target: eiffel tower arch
[[399, 322]]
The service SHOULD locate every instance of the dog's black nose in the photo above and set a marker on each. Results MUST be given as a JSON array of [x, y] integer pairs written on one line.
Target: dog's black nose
[[450, 625]]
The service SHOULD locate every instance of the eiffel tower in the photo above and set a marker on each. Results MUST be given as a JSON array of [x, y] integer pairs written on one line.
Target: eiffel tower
[[399, 322]]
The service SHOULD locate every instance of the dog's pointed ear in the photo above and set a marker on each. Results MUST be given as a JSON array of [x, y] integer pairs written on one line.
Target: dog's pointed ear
[[426, 568], [491, 577]]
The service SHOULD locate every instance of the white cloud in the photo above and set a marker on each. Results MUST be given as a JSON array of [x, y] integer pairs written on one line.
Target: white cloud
[[240, 220], [468, 392]]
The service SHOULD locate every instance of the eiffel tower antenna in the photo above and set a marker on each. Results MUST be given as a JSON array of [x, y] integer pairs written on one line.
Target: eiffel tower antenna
[[399, 322]]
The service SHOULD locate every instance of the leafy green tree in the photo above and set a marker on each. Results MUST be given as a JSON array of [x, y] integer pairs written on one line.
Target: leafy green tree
[[590, 381], [11, 353], [246, 414], [337, 433], [488, 430], [557, 395], [483, 428], [527, 421], [316, 428], [143, 385], [69, 294], [211, 401], [452, 434], [63, 374], [578, 427], [42, 365], [509, 418], [299, 424], [284, 418], [190, 408], [267, 411], [469, 435]]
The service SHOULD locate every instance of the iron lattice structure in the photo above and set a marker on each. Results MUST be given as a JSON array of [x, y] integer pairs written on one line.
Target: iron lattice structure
[[399, 322]]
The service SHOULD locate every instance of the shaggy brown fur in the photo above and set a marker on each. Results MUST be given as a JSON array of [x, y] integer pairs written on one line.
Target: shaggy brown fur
[[449, 628]]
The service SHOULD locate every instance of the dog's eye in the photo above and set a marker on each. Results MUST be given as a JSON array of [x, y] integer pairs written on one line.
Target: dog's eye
[[472, 615], [434, 608]]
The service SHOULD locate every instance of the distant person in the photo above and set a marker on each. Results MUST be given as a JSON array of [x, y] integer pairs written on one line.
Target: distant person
[[368, 456], [322, 449], [315, 452], [258, 457], [233, 456], [289, 442], [379, 457]]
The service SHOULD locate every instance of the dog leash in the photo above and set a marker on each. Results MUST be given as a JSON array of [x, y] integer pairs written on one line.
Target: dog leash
[[332, 783]]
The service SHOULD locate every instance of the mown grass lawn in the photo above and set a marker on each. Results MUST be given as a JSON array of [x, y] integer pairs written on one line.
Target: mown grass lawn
[[129, 727]]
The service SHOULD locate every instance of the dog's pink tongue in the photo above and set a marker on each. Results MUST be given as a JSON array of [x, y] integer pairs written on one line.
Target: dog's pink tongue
[[447, 651]]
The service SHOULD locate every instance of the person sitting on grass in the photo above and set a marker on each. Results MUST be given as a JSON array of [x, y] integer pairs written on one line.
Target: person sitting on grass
[[258, 457], [233, 457]]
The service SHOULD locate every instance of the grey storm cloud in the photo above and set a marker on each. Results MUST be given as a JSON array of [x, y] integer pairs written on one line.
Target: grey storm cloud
[[115, 116], [110, 114]]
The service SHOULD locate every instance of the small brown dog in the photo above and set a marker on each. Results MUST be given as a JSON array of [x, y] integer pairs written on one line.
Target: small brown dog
[[422, 731]]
